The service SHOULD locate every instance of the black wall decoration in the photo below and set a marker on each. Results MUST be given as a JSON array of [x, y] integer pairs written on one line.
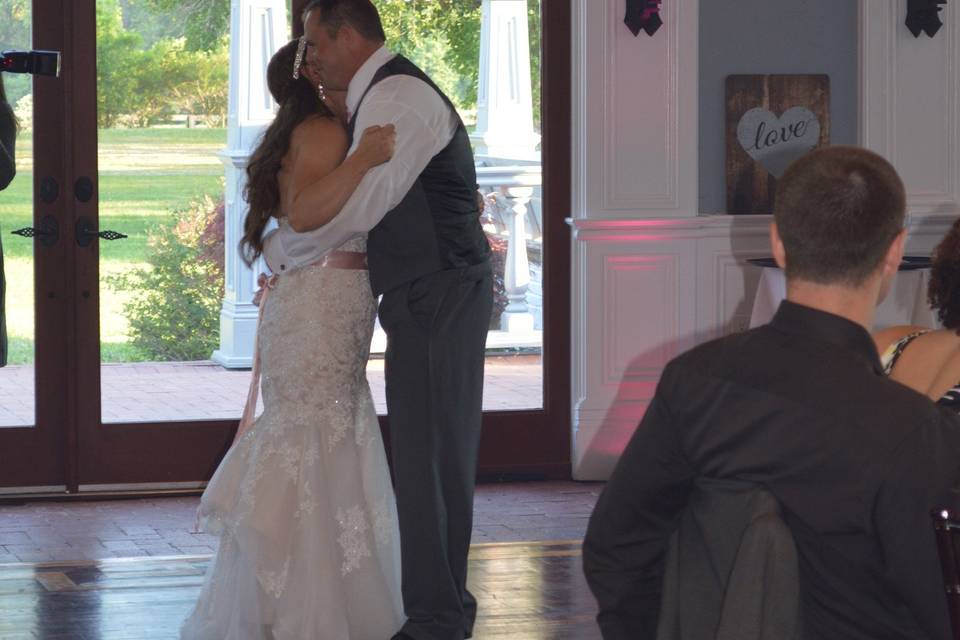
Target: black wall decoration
[[643, 15], [923, 16]]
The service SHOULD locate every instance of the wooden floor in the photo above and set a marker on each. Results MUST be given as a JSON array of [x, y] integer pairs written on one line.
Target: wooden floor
[[526, 591]]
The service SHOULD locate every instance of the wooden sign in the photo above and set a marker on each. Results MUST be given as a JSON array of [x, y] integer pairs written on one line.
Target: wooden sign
[[771, 121]]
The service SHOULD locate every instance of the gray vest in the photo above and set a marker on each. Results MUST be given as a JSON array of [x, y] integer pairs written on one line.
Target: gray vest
[[436, 226]]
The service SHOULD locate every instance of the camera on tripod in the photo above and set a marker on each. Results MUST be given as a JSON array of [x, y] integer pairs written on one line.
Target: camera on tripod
[[41, 63]]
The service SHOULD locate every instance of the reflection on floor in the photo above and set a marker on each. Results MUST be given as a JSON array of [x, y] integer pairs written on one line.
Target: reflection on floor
[[167, 391], [526, 591], [94, 530]]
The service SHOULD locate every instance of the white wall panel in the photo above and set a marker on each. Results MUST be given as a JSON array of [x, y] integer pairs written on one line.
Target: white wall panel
[[910, 102], [636, 103]]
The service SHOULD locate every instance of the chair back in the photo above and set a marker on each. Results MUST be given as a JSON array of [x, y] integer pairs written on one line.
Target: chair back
[[947, 529], [731, 568]]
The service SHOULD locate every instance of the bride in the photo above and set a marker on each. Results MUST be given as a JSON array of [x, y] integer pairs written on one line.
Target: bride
[[302, 501]]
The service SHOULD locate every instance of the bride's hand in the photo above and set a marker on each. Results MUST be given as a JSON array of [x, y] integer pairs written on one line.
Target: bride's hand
[[376, 144]]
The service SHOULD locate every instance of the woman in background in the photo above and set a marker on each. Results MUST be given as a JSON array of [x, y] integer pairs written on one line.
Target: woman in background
[[8, 138], [925, 359], [8, 169]]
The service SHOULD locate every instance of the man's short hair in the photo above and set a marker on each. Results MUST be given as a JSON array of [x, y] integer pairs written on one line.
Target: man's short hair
[[362, 15], [837, 210]]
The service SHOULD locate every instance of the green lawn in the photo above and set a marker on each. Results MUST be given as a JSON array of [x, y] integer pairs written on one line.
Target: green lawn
[[145, 174]]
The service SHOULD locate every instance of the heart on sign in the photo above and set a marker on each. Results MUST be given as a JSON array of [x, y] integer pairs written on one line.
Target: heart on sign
[[776, 142]]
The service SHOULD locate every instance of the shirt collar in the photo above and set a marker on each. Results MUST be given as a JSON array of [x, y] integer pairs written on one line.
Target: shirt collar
[[805, 321], [364, 76]]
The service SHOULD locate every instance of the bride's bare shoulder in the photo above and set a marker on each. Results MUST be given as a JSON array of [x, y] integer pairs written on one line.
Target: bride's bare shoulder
[[319, 130]]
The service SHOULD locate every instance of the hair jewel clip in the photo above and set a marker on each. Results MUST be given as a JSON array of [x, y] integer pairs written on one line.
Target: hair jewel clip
[[298, 60]]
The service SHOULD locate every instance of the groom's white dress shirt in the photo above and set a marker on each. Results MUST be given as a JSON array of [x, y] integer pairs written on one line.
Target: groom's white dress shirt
[[424, 124]]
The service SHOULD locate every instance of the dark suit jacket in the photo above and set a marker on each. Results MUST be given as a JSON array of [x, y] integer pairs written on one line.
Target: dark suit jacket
[[731, 569]]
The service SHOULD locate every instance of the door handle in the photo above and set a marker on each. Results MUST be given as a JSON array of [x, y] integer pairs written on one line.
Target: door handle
[[85, 232], [48, 232]]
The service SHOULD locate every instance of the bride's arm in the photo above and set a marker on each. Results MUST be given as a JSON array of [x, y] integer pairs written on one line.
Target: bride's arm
[[321, 168]]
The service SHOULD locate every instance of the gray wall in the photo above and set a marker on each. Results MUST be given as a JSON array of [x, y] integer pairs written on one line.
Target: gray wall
[[772, 36]]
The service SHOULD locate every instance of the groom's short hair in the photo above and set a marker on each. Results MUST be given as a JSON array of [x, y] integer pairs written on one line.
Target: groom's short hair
[[362, 15]]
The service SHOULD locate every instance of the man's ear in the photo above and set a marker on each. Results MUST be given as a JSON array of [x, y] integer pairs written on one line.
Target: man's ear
[[891, 261], [347, 35], [776, 245]]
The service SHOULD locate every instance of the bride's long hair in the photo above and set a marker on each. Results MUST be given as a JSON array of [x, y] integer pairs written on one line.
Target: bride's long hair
[[297, 101]]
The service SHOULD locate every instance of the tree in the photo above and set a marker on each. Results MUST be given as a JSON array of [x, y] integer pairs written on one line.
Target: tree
[[411, 26], [15, 24], [119, 61], [201, 79], [207, 21], [419, 29], [146, 85], [141, 17]]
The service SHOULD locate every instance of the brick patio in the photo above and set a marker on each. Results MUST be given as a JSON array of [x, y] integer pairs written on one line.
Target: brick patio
[[167, 391]]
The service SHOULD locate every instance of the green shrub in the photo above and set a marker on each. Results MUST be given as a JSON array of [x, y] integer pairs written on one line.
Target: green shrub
[[175, 312]]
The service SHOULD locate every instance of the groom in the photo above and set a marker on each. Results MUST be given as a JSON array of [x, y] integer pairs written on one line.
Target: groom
[[429, 258]]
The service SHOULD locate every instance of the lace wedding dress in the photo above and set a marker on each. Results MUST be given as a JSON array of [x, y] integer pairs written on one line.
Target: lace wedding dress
[[303, 503]]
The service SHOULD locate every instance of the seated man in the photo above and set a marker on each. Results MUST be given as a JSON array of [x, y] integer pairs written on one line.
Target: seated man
[[801, 408]]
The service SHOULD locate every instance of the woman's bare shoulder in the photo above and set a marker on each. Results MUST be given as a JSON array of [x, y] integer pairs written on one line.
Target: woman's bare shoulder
[[942, 341], [932, 363], [318, 129], [886, 337]]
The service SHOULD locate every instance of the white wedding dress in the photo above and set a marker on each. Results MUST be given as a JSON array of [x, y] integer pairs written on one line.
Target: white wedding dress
[[303, 503]]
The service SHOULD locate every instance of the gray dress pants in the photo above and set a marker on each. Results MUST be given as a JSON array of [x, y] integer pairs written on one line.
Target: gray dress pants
[[436, 330]]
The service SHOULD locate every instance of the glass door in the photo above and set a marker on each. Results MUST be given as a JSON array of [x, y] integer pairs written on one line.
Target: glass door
[[533, 440], [156, 411], [164, 391], [34, 381]]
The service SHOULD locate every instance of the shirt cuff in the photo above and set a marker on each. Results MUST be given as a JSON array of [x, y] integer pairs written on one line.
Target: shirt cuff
[[273, 254]]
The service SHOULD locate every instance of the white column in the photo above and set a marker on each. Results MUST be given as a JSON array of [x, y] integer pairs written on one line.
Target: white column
[[504, 95], [257, 29], [516, 273], [634, 195]]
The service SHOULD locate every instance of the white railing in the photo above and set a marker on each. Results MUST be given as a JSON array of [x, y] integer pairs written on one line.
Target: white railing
[[514, 212]]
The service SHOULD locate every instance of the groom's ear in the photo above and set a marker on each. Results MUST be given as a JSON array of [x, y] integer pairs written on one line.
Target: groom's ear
[[348, 34]]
